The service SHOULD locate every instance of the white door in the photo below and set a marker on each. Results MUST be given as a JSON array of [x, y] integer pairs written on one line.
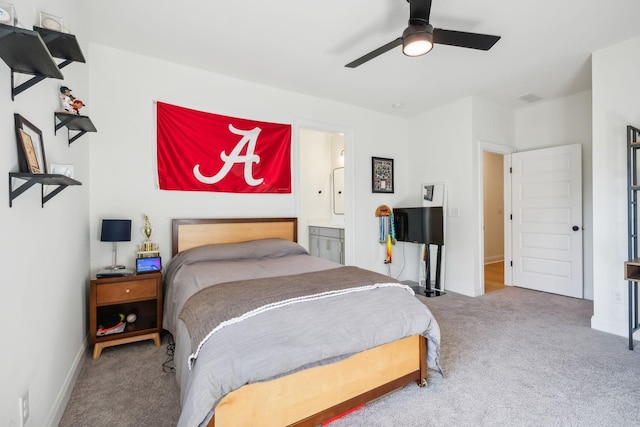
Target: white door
[[547, 220]]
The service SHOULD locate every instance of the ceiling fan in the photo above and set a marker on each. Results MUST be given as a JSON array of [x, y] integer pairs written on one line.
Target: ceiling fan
[[419, 37]]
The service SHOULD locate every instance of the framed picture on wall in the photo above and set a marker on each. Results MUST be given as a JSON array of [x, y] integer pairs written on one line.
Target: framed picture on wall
[[29, 152], [31, 158], [428, 193], [381, 175]]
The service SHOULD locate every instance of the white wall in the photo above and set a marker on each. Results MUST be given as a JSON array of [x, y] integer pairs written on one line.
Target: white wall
[[561, 122], [615, 105], [122, 159], [440, 151], [45, 250]]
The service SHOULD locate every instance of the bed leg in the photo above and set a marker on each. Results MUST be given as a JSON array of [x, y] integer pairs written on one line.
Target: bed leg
[[423, 362]]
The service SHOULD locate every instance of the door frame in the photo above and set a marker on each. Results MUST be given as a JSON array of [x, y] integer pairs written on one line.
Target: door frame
[[349, 178], [505, 151]]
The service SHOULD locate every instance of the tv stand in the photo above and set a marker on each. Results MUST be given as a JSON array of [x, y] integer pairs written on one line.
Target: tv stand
[[436, 291]]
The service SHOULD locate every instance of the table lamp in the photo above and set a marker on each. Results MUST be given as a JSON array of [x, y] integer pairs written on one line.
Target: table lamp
[[115, 230]]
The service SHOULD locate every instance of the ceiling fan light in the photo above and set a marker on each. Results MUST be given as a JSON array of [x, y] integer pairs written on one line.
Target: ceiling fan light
[[417, 47], [417, 40]]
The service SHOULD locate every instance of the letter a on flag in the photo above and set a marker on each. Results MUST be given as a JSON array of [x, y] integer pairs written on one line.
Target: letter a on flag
[[200, 151]]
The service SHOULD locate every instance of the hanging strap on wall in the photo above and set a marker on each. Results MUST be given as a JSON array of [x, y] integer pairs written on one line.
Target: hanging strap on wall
[[387, 230], [392, 227], [383, 212]]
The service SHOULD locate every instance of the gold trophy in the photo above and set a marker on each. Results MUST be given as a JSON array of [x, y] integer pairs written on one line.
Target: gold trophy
[[148, 249], [147, 230]]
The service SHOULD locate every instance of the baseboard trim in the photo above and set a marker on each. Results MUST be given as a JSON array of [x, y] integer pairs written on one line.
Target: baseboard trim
[[605, 325], [57, 410]]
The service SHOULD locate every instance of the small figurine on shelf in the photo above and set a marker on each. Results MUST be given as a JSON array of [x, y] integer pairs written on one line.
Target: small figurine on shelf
[[77, 105], [70, 104], [66, 100]]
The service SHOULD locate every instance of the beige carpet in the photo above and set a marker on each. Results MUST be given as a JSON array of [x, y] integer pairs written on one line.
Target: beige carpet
[[512, 357]]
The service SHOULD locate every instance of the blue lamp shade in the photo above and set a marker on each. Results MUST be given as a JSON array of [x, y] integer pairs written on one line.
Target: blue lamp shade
[[116, 230]]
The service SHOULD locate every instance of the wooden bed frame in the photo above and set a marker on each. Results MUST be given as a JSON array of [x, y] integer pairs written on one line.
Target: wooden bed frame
[[312, 396], [191, 233]]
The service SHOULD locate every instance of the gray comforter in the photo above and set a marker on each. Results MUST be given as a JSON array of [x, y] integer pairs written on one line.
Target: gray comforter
[[284, 340]]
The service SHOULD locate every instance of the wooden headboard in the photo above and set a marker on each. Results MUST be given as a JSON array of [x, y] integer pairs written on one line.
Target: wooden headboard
[[192, 233]]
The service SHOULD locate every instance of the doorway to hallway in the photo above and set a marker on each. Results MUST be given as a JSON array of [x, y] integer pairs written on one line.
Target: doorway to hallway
[[493, 220], [494, 276]]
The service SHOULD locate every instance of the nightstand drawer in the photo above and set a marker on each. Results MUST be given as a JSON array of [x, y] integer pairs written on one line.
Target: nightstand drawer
[[126, 291]]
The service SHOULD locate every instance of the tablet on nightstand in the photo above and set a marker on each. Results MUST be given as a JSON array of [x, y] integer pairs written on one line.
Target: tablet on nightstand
[[148, 265]]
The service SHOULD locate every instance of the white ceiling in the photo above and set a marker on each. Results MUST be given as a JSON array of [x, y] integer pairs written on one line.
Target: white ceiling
[[303, 45]]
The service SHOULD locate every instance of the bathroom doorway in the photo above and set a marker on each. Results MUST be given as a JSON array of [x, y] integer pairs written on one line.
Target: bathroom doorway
[[325, 177]]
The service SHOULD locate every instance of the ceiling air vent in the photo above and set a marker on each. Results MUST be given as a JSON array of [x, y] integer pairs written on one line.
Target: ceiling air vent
[[530, 98]]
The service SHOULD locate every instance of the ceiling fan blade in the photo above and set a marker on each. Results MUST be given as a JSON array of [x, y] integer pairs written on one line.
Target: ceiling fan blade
[[463, 39], [379, 51]]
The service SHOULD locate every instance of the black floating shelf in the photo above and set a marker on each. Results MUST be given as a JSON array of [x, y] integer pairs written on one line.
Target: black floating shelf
[[82, 124], [62, 181], [33, 52], [25, 52], [61, 45]]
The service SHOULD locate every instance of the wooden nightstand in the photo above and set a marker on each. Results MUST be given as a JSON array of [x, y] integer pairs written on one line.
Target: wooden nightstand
[[140, 294]]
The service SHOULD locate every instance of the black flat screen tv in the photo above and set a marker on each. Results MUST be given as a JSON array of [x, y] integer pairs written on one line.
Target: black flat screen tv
[[419, 225]]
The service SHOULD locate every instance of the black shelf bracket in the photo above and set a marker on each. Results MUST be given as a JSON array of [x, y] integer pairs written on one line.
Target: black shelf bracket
[[82, 124], [61, 181], [64, 63], [16, 90]]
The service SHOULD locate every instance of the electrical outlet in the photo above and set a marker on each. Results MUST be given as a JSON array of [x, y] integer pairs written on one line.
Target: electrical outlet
[[24, 408], [616, 296]]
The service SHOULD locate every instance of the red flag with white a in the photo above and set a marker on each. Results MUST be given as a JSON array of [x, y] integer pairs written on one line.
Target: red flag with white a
[[200, 151]]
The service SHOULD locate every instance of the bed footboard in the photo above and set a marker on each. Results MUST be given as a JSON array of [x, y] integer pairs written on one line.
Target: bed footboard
[[309, 397]]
